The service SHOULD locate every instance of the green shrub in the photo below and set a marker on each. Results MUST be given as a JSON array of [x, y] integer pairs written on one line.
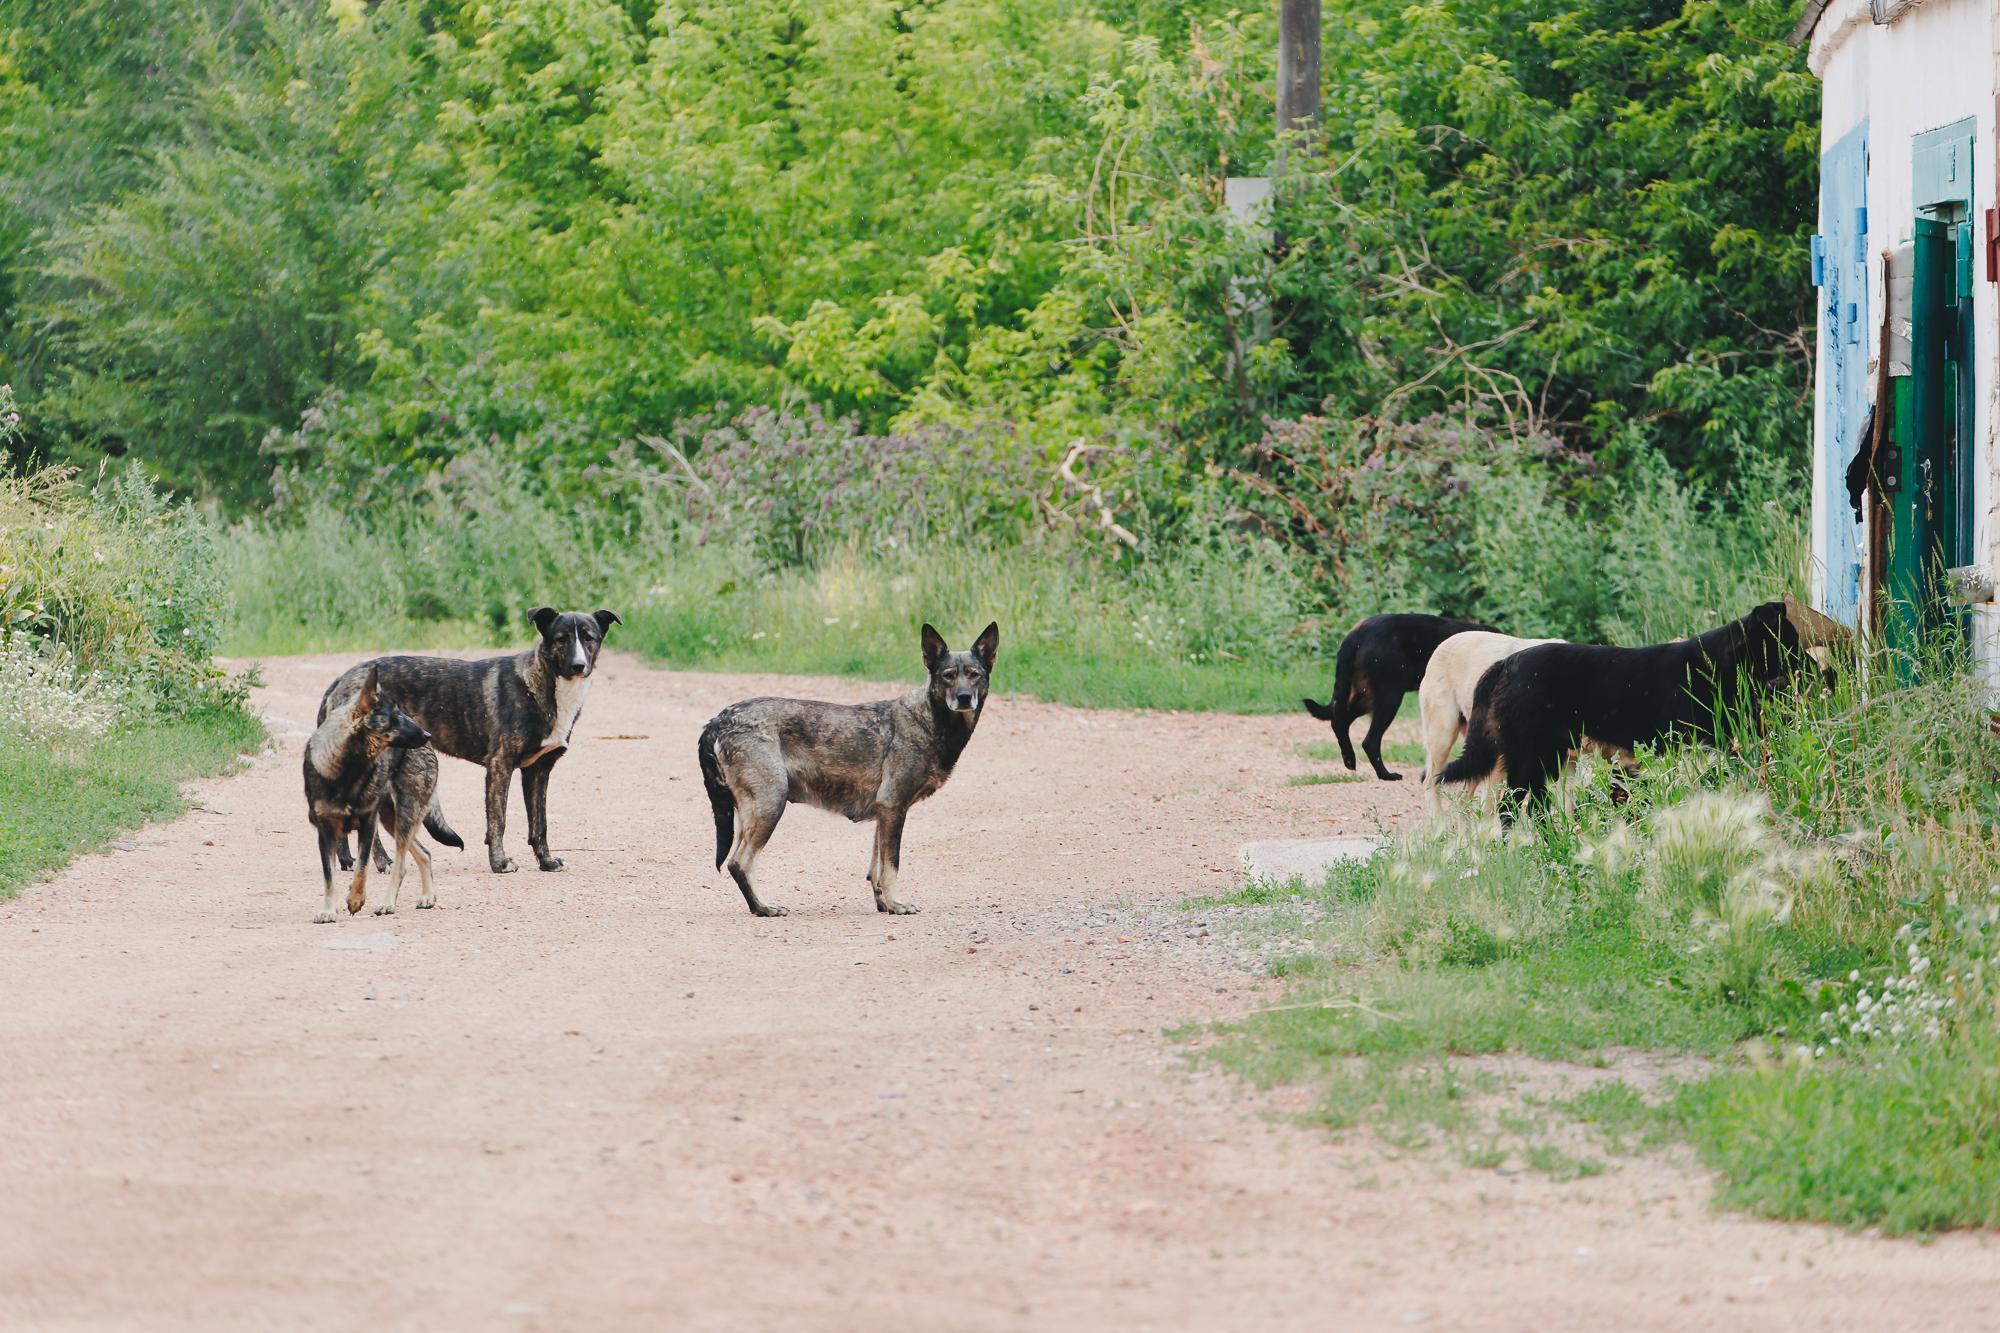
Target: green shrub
[[1456, 514], [116, 584]]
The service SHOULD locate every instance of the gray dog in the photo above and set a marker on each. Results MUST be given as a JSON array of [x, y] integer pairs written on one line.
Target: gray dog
[[865, 761]]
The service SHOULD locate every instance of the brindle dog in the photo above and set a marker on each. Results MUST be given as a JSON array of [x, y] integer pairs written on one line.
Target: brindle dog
[[865, 761], [510, 714]]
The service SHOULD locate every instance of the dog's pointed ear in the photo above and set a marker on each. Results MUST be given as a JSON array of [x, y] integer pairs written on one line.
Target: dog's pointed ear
[[543, 616], [364, 700], [987, 645], [606, 619], [934, 649]]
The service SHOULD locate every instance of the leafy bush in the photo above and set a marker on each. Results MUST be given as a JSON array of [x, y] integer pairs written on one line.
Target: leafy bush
[[115, 586], [796, 487], [1459, 515], [46, 701]]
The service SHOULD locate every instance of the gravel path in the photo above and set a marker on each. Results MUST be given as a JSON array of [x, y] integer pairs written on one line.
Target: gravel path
[[608, 1098]]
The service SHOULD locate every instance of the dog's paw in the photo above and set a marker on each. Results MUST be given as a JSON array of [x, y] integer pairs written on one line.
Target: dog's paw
[[503, 865], [894, 908], [770, 909], [424, 903], [549, 862], [325, 918], [1387, 776], [386, 909]]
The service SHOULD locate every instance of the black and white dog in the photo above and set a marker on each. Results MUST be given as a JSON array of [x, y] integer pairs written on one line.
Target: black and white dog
[[510, 713]]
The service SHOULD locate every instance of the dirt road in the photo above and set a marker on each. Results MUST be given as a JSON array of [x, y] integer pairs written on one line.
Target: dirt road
[[608, 1098]]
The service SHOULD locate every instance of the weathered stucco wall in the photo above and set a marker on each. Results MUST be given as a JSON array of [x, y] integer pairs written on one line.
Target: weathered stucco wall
[[1933, 66]]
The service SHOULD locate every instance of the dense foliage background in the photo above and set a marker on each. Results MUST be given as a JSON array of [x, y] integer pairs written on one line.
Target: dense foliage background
[[242, 235]]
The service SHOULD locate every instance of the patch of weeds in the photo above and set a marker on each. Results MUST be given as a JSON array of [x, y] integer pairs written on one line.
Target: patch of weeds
[[1558, 1165], [1408, 1104], [1625, 1122], [1257, 893], [1909, 1141], [1321, 779], [53, 808]]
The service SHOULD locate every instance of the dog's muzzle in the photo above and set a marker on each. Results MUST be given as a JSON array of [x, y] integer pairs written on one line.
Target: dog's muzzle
[[966, 704]]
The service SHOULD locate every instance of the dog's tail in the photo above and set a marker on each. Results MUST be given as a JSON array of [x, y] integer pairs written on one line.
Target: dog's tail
[[443, 832], [720, 798], [1339, 710], [1481, 756]]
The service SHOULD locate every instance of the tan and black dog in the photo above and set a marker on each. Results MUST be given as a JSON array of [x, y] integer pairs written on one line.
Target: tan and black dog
[[1538, 706], [508, 714], [865, 761], [368, 762]]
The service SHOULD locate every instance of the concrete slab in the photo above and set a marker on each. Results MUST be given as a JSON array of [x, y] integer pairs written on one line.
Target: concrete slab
[[1302, 858]]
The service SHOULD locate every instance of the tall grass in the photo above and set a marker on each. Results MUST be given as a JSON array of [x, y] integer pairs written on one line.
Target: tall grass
[[111, 603], [1814, 903], [797, 544]]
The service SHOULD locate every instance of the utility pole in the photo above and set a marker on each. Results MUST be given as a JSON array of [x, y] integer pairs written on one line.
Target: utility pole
[[1298, 70]]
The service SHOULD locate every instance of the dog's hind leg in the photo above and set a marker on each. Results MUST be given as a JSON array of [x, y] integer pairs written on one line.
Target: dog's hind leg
[[402, 831], [422, 856], [887, 861], [1378, 726], [1342, 721], [756, 820], [328, 914], [498, 776], [1442, 727], [1529, 772]]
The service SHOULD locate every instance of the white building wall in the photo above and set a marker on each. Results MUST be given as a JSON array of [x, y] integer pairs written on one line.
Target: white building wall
[[1934, 66]]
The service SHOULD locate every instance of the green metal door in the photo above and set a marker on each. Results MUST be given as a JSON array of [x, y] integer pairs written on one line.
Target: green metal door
[[1931, 527]]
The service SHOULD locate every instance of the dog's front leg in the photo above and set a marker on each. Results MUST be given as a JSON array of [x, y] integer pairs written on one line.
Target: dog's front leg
[[364, 847], [888, 860], [327, 913], [498, 775], [535, 795]]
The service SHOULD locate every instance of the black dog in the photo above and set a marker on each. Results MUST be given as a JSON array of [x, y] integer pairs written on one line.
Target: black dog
[[506, 713], [1381, 660], [1532, 709]]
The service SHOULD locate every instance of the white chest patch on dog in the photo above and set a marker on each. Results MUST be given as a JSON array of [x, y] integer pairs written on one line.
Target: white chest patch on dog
[[569, 703]]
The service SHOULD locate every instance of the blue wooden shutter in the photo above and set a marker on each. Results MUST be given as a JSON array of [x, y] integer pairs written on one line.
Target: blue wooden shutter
[[1841, 261]]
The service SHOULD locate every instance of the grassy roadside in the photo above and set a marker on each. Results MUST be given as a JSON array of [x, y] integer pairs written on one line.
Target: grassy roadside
[[1785, 956], [53, 807], [1072, 631]]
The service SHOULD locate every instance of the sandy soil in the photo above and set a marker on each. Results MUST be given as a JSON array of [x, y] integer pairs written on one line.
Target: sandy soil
[[609, 1098]]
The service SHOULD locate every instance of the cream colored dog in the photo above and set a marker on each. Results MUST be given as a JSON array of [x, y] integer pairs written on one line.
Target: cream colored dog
[[1446, 701]]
